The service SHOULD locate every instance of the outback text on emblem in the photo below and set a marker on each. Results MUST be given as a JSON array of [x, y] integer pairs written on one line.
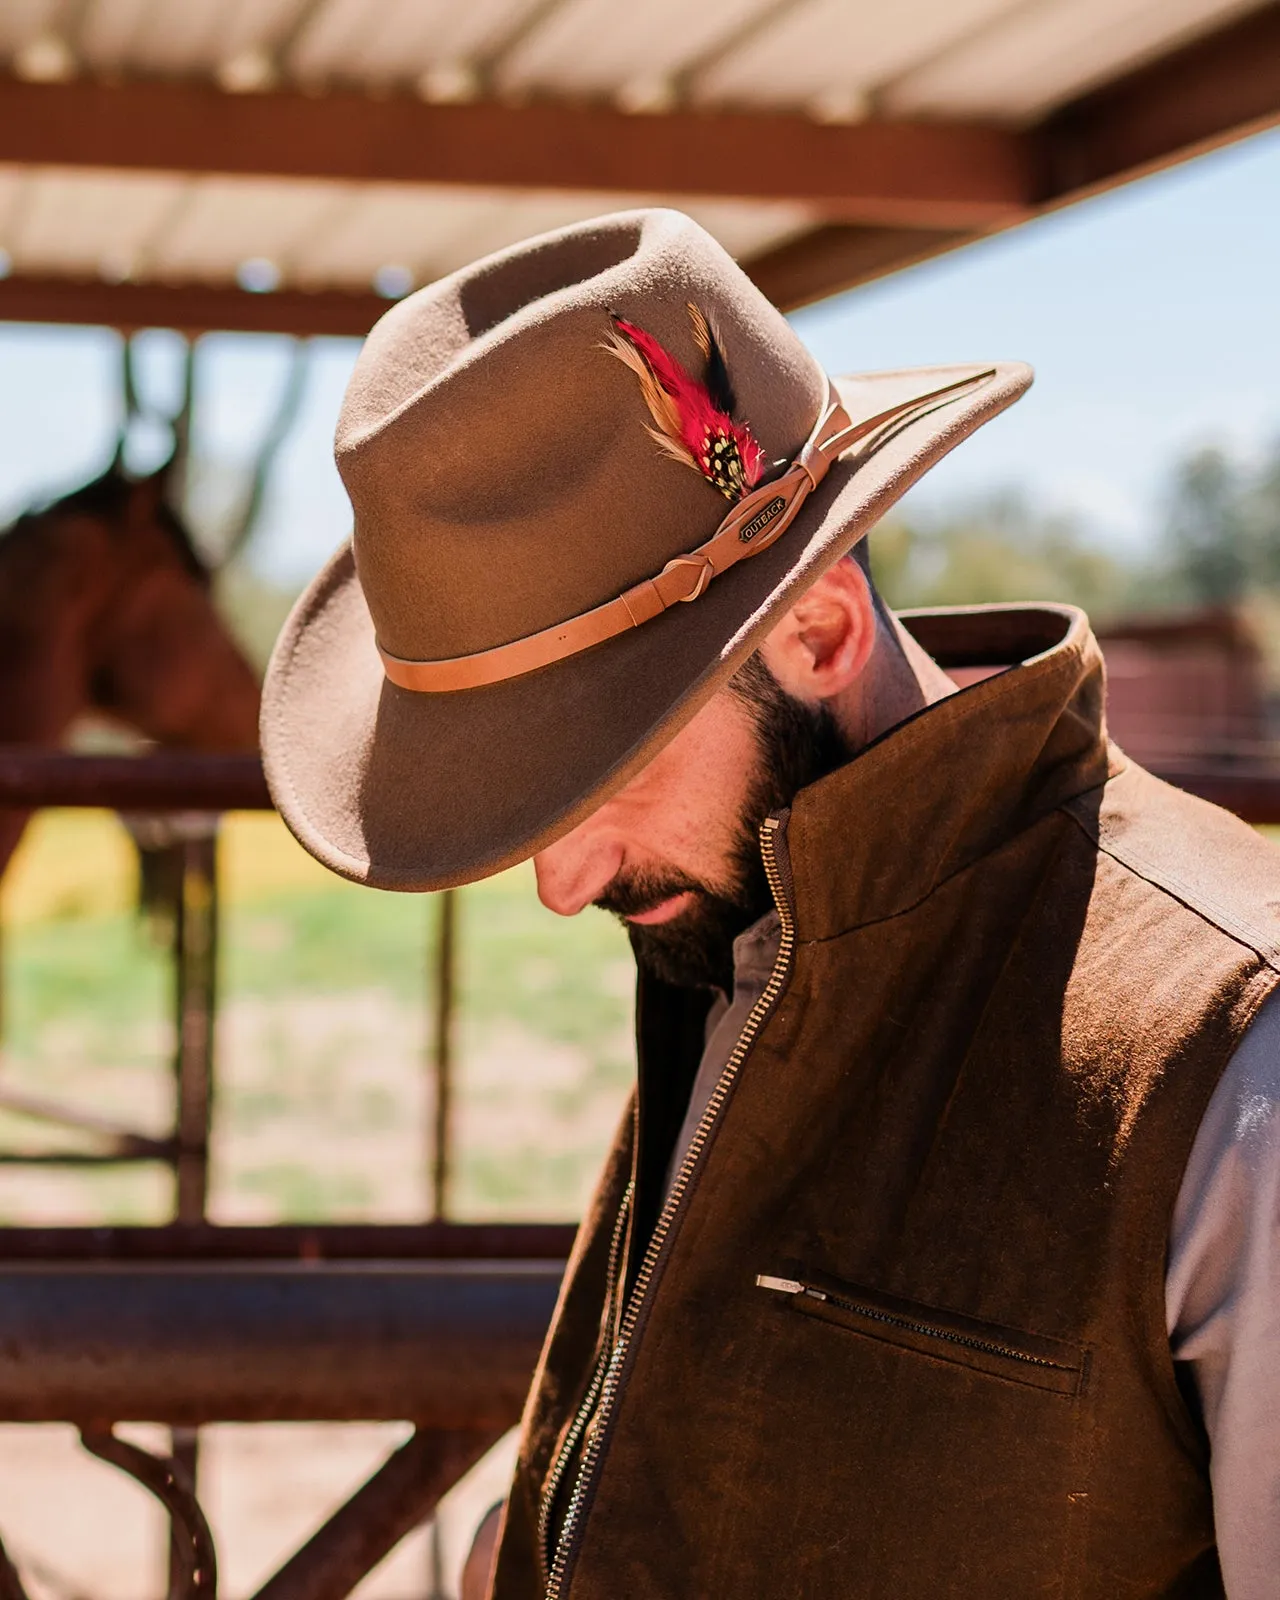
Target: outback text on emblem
[[762, 519]]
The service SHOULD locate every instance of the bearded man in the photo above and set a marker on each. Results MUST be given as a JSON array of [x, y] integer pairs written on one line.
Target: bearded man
[[937, 1254]]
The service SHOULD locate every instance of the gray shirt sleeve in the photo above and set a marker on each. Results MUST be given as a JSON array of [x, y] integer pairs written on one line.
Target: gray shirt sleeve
[[1222, 1302]]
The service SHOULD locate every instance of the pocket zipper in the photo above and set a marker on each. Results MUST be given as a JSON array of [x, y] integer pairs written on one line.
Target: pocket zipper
[[792, 1286]]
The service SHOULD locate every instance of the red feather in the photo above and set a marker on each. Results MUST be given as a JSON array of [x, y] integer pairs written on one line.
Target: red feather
[[689, 425]]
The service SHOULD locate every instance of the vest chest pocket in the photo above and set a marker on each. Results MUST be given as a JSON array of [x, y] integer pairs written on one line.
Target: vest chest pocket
[[987, 1347]]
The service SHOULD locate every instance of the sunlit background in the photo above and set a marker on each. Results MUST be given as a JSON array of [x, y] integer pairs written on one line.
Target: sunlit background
[[1141, 474]]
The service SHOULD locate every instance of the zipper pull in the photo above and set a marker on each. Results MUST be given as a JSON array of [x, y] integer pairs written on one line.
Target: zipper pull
[[787, 1286]]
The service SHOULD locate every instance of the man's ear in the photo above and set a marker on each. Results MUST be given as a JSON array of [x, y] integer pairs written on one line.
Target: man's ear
[[824, 642]]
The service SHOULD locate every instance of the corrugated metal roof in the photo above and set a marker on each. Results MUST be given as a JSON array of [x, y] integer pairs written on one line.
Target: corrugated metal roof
[[814, 53], [1035, 57], [393, 41], [202, 230], [994, 61], [1015, 56], [603, 48]]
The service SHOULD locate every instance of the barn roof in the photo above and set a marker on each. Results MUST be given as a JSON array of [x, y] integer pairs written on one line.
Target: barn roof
[[292, 164]]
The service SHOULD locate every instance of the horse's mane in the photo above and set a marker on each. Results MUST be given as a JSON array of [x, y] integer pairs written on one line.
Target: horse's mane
[[106, 496]]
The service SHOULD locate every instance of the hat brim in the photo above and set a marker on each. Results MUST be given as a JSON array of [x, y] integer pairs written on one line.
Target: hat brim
[[410, 791]]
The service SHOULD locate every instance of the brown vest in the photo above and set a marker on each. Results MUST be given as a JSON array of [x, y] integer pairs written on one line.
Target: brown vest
[[1013, 968]]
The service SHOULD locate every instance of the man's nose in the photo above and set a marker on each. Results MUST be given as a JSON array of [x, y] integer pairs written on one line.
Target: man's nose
[[576, 870]]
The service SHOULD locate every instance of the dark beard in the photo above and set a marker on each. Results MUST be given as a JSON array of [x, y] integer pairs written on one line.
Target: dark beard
[[796, 744]]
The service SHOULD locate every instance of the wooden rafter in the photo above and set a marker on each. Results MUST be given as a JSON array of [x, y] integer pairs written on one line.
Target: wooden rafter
[[191, 308], [837, 255], [1211, 92], [921, 174]]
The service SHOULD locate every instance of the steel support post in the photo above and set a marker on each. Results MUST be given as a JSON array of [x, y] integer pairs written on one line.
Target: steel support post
[[195, 962], [446, 962], [399, 1496], [193, 1573], [195, 954]]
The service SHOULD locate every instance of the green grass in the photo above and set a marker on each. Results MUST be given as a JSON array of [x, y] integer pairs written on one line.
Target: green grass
[[101, 970], [564, 980], [324, 1030], [308, 1191]]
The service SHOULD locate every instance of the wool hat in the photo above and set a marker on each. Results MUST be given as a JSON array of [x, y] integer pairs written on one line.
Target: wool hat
[[588, 474]]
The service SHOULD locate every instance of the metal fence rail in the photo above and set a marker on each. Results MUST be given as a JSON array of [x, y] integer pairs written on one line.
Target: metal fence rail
[[184, 782], [296, 1241], [442, 1344], [172, 781]]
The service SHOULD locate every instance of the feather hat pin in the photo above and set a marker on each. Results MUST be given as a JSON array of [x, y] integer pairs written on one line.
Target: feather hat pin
[[693, 421]]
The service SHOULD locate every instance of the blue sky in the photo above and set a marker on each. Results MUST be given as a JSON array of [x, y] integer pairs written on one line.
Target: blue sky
[[1150, 315]]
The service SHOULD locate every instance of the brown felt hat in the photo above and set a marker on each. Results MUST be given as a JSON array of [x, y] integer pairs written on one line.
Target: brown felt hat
[[503, 643]]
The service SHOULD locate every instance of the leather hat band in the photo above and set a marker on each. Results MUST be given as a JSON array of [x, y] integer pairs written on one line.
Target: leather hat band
[[758, 520]]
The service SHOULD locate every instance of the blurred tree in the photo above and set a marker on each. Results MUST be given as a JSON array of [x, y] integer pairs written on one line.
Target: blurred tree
[[1222, 529], [1264, 516], [1207, 527], [1220, 545], [997, 549]]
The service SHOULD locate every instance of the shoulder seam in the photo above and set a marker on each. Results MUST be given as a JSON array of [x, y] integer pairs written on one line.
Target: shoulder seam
[[1199, 904]]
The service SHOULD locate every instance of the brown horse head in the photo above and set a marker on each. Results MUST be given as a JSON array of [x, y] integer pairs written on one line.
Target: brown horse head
[[106, 606], [160, 657]]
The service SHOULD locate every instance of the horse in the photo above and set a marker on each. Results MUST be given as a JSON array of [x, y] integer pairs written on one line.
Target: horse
[[106, 606]]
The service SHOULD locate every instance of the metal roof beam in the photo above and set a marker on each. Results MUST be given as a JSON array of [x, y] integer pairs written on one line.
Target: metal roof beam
[[908, 174], [191, 308], [839, 255], [1211, 92], [792, 274]]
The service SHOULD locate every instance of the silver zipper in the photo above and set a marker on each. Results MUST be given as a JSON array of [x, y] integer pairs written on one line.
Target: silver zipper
[[563, 1456], [925, 1329], [675, 1196]]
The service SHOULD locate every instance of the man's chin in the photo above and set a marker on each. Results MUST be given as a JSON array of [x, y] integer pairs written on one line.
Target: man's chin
[[692, 949]]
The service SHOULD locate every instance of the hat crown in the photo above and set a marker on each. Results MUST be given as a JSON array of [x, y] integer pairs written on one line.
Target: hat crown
[[498, 459]]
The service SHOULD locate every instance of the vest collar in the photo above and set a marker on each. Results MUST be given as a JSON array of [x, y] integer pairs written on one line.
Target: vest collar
[[954, 781]]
